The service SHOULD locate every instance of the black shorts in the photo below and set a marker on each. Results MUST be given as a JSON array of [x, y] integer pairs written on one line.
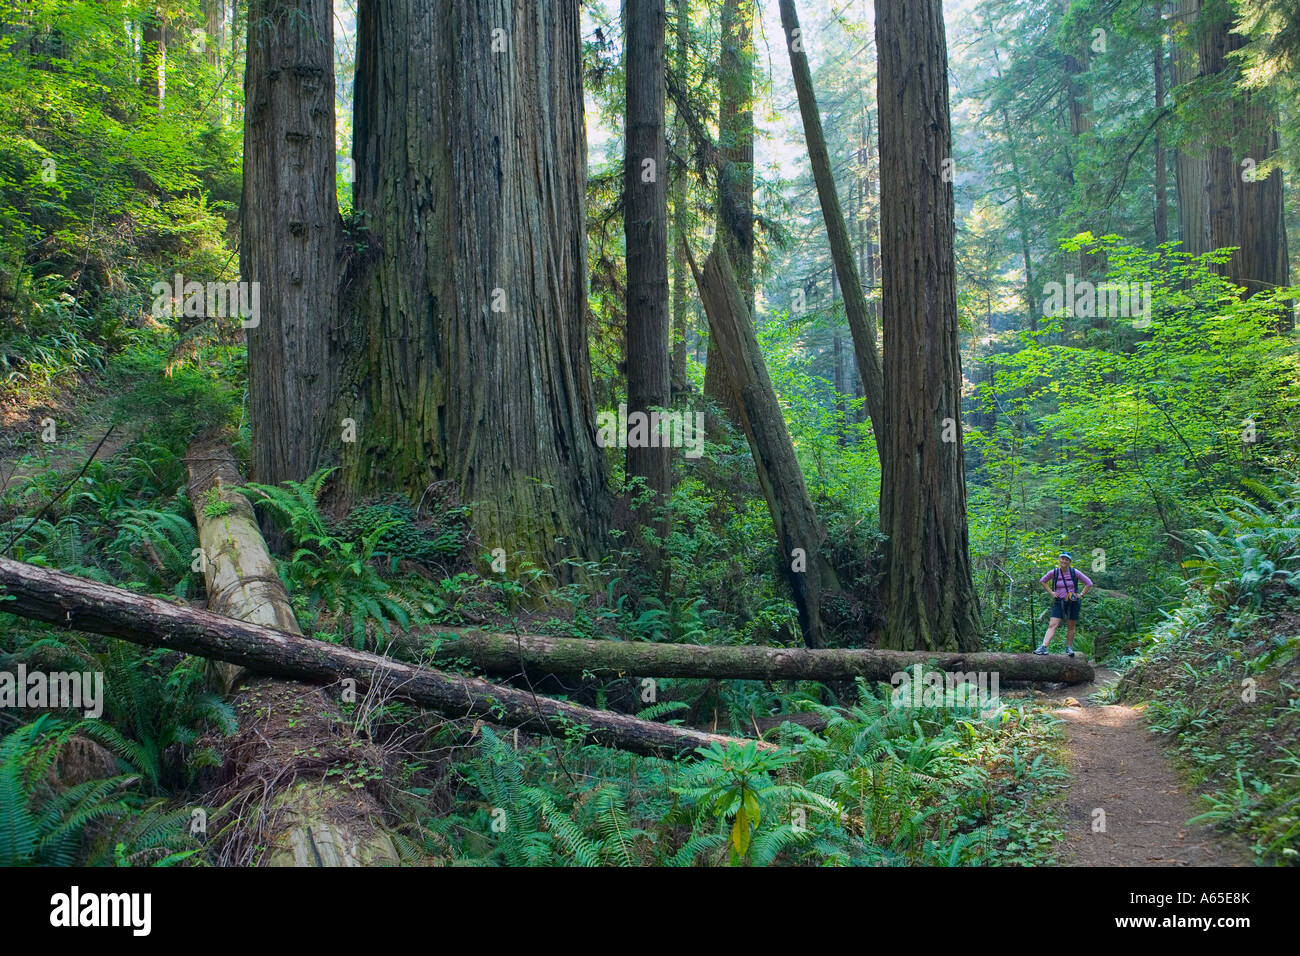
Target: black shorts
[[1065, 610]]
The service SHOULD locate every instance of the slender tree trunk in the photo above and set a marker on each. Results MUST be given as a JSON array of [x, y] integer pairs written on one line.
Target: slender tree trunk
[[862, 323], [212, 11], [289, 218], [465, 332], [1161, 219], [681, 222], [1079, 102], [645, 219], [932, 603], [1022, 215]]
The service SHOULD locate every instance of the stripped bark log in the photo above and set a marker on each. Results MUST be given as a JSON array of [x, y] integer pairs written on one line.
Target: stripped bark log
[[43, 594], [800, 535], [534, 653], [312, 822]]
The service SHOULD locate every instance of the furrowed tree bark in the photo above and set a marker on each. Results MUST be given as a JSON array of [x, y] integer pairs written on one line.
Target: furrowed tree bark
[[931, 600], [312, 822], [862, 322], [466, 345], [289, 216], [542, 654], [1221, 202], [55, 597], [645, 225], [681, 222], [1190, 163], [735, 174], [800, 535]]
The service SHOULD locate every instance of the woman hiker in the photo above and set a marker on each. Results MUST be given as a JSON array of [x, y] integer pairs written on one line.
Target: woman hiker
[[1062, 582]]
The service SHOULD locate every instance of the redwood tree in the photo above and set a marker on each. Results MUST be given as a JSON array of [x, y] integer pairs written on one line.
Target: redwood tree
[[458, 349], [289, 220], [735, 173], [931, 602], [645, 224]]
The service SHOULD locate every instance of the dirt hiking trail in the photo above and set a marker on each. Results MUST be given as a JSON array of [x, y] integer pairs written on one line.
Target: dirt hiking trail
[[1122, 769]]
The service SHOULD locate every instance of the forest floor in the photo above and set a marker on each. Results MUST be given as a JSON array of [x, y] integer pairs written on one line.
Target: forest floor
[[1118, 765], [83, 415], [1121, 769]]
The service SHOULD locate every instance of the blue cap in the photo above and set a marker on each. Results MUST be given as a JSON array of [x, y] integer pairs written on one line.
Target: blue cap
[[1065, 555]]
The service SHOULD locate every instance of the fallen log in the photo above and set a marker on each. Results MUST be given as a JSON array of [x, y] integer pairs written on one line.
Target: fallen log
[[501, 654], [44, 594], [309, 820]]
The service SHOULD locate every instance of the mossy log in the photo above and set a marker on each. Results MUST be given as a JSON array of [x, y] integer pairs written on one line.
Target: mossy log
[[44, 594], [308, 821], [534, 654]]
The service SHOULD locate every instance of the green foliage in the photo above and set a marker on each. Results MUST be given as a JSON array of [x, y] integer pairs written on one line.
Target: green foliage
[[880, 785], [734, 783], [1252, 549], [44, 824], [329, 575], [100, 189], [400, 536]]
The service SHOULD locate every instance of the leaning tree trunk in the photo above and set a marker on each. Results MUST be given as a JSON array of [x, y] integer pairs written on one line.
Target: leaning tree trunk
[[735, 175], [289, 216], [931, 600], [862, 322], [309, 821], [469, 325], [800, 536], [63, 599]]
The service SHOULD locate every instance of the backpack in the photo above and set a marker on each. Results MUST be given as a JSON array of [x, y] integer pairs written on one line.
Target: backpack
[[1074, 580]]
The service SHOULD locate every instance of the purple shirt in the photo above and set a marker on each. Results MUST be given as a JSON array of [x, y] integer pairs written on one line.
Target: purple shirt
[[1063, 580]]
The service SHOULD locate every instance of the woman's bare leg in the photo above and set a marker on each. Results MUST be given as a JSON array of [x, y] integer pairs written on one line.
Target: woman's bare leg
[[1052, 625]]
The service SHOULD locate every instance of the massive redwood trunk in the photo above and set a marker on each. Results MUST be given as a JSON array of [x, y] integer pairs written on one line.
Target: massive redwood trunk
[[1221, 202], [469, 325], [289, 218], [931, 600]]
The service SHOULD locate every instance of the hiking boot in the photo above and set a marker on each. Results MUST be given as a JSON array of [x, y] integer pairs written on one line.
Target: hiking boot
[[1069, 652], [1042, 649]]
